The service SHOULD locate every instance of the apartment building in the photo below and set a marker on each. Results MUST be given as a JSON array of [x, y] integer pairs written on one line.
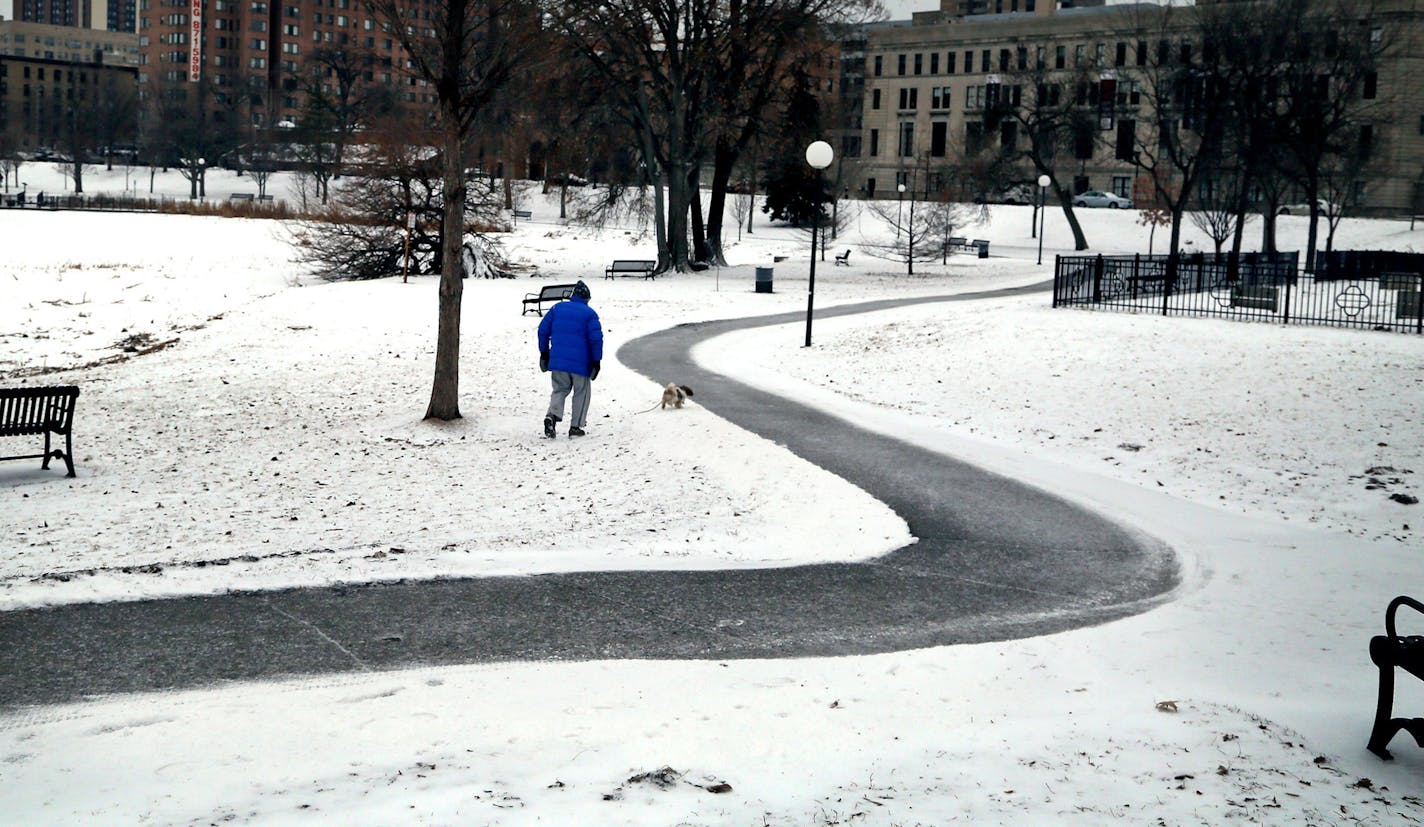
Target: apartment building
[[265, 52], [930, 86], [47, 71], [109, 15]]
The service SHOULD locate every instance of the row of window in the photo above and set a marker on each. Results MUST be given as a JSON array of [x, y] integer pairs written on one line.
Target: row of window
[[1017, 59], [1124, 93], [56, 75]]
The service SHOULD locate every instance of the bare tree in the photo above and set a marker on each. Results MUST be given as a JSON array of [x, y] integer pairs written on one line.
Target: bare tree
[[1217, 209], [465, 50]]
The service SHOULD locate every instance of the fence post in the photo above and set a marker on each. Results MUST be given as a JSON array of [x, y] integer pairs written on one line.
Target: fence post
[[1057, 269], [1167, 280], [1135, 273], [1285, 313], [1098, 279], [1419, 307]]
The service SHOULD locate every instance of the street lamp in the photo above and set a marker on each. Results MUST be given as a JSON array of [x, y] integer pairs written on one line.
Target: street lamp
[[409, 228], [819, 155], [899, 210], [1043, 181]]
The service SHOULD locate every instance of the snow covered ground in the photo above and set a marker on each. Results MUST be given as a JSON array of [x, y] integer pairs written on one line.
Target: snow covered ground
[[242, 425]]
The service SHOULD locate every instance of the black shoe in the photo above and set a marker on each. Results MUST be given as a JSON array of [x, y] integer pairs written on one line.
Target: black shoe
[[576, 432], [549, 426]]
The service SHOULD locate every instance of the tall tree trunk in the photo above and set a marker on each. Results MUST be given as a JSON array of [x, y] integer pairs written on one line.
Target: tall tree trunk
[[699, 231], [722, 162], [445, 391]]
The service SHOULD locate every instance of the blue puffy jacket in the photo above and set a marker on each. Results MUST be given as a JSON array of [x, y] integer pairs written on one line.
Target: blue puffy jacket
[[576, 333]]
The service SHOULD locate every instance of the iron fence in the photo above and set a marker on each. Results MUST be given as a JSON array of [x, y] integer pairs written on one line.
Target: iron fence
[[1250, 287]]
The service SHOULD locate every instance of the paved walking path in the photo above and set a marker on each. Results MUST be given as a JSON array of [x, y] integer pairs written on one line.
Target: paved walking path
[[995, 560]]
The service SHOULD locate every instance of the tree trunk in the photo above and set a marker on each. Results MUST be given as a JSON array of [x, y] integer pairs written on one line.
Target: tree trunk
[[1080, 241], [699, 231], [717, 205], [445, 391]]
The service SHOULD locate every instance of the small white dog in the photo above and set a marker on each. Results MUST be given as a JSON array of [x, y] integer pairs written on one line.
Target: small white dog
[[675, 394]]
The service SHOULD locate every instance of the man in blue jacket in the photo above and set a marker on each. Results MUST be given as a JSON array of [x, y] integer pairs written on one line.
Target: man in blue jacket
[[571, 349]]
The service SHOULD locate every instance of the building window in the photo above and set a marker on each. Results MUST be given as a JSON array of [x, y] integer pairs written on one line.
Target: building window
[[968, 63], [1003, 60], [1125, 146], [879, 64], [974, 97], [870, 188], [907, 139], [1080, 55], [919, 64], [1141, 53], [984, 57], [909, 98], [939, 130], [874, 143], [1371, 86], [1023, 58], [874, 98], [949, 62], [900, 64], [1122, 186], [1060, 57], [934, 63], [939, 97]]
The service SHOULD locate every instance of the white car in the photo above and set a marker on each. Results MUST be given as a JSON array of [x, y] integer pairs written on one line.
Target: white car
[[1325, 207], [1093, 198]]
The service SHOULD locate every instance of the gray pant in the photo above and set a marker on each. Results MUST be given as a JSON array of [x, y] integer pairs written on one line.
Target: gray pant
[[563, 383]]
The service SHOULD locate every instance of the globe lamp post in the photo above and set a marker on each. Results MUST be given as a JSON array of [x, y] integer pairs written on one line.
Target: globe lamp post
[[819, 155]]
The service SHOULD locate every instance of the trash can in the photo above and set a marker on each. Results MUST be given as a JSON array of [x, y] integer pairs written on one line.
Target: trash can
[[763, 279], [984, 250]]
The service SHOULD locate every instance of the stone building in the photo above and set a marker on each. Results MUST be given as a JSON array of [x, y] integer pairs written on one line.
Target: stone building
[[930, 88]]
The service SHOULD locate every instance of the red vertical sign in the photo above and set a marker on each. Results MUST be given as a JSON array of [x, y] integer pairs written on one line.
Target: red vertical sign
[[195, 40]]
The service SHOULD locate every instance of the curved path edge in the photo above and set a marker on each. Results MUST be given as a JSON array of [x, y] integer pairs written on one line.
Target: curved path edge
[[995, 559]]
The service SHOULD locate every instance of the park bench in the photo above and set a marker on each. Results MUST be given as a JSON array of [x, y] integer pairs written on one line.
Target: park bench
[[631, 267], [41, 410], [1260, 297], [525, 214], [958, 242], [551, 293], [241, 196], [1388, 651], [843, 258], [1399, 281]]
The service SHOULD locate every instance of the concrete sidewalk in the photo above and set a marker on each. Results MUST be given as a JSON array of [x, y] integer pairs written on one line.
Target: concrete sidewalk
[[995, 559]]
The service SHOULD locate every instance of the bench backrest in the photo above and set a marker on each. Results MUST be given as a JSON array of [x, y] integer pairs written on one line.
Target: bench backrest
[[556, 291], [36, 410], [628, 264], [958, 240]]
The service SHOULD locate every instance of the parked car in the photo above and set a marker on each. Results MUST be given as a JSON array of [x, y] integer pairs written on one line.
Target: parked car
[[1326, 208], [1094, 198]]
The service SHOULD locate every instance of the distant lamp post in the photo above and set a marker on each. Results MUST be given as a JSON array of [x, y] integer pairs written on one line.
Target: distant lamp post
[[819, 155], [409, 228], [1043, 181], [899, 210]]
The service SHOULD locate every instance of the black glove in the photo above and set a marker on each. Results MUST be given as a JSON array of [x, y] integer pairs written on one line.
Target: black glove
[[593, 370], [544, 361]]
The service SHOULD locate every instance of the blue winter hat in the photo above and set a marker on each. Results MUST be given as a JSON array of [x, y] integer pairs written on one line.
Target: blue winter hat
[[581, 290]]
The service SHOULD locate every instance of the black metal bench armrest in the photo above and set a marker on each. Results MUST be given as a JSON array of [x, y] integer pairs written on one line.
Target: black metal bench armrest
[[1402, 600]]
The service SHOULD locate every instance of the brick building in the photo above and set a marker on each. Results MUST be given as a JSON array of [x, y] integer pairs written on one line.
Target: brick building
[[46, 72]]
